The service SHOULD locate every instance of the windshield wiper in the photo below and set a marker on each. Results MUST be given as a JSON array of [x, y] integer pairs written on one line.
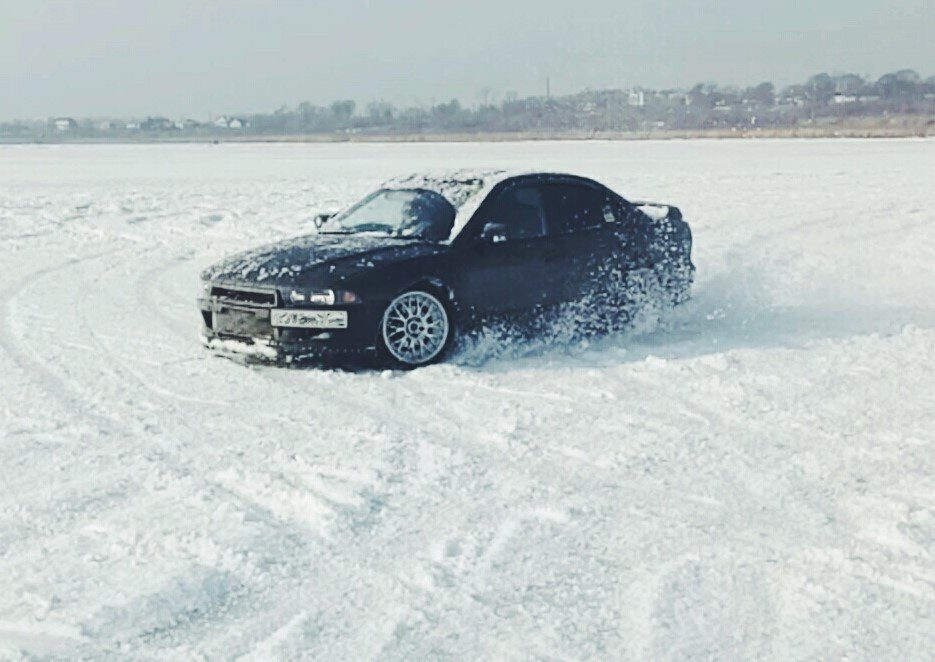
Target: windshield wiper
[[378, 233]]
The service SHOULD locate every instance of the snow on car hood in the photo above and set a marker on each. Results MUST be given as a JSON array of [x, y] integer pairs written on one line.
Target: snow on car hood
[[286, 261]]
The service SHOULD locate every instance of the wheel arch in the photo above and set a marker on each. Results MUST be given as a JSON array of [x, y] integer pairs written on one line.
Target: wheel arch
[[438, 288]]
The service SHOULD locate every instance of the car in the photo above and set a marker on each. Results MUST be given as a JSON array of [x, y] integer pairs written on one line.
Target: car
[[423, 258]]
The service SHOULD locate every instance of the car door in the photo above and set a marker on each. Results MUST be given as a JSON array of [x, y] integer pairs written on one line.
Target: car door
[[585, 228], [509, 270]]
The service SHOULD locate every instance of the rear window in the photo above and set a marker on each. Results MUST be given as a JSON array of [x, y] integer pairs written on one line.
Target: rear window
[[575, 208]]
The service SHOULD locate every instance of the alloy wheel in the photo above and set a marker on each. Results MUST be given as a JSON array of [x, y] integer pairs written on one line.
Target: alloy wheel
[[415, 328]]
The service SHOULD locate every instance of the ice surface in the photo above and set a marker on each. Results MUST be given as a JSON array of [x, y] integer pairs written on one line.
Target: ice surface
[[753, 478]]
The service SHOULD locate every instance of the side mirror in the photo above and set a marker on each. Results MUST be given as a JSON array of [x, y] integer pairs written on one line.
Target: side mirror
[[320, 219], [494, 233]]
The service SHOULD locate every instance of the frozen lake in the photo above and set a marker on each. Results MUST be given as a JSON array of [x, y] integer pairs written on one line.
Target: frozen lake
[[753, 479]]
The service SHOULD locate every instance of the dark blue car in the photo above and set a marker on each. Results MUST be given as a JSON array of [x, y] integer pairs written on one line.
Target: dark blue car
[[422, 258]]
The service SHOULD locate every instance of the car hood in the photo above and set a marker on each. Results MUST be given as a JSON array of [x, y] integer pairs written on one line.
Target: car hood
[[332, 257]]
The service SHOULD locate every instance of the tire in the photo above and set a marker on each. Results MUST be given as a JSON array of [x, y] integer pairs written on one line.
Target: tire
[[415, 329]]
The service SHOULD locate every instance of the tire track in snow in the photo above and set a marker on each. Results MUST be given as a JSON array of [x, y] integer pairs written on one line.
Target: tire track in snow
[[269, 507], [27, 361], [76, 399], [148, 284]]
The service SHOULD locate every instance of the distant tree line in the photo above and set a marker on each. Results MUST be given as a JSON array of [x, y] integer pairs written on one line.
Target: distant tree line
[[704, 106]]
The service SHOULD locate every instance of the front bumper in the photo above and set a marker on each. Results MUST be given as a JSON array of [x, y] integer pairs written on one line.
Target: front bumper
[[244, 329]]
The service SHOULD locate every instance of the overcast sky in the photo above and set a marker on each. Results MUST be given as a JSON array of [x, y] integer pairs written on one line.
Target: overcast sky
[[196, 58]]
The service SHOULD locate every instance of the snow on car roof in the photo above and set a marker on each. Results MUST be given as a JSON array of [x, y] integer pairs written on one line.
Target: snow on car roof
[[457, 186], [464, 189]]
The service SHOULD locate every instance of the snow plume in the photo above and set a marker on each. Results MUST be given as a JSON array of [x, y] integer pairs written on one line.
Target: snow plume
[[637, 303]]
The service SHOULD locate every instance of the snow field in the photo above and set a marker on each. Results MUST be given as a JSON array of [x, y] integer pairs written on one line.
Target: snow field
[[750, 478]]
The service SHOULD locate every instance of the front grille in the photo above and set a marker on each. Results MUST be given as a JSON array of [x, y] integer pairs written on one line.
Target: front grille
[[240, 295], [243, 324]]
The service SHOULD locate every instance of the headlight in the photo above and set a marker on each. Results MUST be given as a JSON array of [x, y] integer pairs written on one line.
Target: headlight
[[323, 297], [206, 287]]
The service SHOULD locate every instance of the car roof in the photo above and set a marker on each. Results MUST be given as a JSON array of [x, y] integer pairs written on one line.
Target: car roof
[[466, 189]]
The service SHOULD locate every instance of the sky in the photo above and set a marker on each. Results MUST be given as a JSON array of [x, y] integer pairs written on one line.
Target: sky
[[201, 58]]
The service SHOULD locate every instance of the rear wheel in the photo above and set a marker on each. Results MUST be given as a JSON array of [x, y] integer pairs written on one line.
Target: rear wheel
[[415, 328]]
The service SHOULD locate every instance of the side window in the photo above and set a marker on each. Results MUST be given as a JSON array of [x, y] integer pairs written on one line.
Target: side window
[[521, 210], [575, 208]]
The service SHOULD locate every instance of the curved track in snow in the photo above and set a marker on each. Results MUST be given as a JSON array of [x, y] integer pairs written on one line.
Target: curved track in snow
[[753, 478]]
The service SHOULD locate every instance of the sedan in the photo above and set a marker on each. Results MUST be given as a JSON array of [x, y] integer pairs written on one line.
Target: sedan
[[399, 274]]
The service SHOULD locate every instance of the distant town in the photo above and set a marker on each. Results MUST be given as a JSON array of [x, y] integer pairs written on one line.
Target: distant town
[[898, 103]]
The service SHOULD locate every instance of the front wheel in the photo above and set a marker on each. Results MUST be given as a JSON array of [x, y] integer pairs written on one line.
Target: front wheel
[[415, 328]]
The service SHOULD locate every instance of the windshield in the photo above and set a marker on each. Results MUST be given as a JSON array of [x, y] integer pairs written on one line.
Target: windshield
[[397, 213]]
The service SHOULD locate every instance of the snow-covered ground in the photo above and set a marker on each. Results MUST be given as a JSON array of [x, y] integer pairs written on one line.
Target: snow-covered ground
[[755, 479]]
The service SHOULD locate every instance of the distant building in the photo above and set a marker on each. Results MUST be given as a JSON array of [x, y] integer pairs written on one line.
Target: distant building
[[677, 97], [157, 124], [63, 124], [636, 98], [230, 123]]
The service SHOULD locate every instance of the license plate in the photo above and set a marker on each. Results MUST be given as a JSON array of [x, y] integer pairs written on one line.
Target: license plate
[[309, 319]]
